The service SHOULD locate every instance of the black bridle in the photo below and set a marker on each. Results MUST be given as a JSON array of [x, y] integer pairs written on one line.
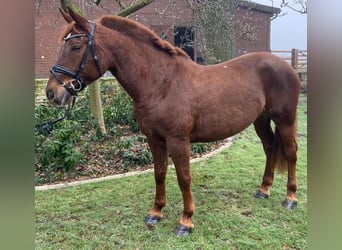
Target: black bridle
[[73, 88]]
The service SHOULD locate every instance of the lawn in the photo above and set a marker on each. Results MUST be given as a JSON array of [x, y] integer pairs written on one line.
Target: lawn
[[109, 214]]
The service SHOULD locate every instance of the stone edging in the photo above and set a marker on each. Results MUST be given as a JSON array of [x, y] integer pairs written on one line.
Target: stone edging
[[227, 144]]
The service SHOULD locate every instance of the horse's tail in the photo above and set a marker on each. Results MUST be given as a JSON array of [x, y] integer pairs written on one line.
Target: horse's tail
[[278, 154]]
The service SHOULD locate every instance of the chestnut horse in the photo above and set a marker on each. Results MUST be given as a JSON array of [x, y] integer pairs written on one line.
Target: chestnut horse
[[177, 102]]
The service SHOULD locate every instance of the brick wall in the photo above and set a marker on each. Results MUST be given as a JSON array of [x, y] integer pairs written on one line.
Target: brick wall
[[161, 16], [47, 24], [252, 31]]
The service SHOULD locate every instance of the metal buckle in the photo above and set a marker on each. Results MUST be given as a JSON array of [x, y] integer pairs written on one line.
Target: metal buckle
[[72, 86]]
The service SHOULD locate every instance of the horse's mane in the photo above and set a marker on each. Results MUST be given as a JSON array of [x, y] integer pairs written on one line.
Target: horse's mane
[[141, 33]]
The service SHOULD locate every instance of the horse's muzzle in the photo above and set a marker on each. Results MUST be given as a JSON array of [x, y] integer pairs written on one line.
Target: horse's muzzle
[[58, 96], [50, 95]]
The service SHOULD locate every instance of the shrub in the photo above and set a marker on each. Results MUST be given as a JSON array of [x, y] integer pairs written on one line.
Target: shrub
[[134, 151], [56, 151], [120, 111], [200, 148], [59, 149]]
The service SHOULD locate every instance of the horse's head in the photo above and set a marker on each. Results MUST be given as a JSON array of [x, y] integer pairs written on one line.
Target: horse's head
[[77, 64]]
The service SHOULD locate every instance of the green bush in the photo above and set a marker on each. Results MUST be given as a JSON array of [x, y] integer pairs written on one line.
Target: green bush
[[120, 111], [199, 148], [59, 149], [134, 151], [56, 150]]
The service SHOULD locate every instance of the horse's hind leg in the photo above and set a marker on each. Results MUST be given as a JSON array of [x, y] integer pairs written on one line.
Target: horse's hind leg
[[287, 132], [263, 129], [280, 148]]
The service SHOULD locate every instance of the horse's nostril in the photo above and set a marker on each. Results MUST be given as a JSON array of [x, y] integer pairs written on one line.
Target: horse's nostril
[[50, 95]]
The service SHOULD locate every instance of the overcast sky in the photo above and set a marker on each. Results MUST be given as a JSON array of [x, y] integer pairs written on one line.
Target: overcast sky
[[288, 31]]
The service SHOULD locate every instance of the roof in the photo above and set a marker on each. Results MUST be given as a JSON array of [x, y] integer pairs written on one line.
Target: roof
[[260, 7]]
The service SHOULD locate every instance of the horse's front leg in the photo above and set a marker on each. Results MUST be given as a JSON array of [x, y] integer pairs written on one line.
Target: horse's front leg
[[159, 153], [180, 154]]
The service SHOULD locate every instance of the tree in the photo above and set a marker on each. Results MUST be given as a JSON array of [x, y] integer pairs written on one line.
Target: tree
[[218, 30], [217, 27], [299, 6], [94, 88]]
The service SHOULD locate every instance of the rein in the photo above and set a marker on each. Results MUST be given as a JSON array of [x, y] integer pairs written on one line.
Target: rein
[[80, 84], [47, 126]]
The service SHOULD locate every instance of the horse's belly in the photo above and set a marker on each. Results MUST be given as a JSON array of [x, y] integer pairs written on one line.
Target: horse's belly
[[220, 125], [206, 134]]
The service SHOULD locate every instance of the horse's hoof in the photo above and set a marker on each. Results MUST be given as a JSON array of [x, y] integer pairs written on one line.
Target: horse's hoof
[[151, 220], [289, 204], [260, 195], [182, 231]]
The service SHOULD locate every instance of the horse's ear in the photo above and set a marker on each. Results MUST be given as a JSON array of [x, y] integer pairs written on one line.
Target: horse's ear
[[66, 16], [80, 21]]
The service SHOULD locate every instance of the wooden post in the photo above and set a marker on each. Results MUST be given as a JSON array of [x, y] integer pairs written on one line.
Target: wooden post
[[96, 104], [294, 58]]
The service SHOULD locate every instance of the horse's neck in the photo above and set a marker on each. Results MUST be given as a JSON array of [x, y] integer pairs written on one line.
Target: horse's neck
[[140, 68]]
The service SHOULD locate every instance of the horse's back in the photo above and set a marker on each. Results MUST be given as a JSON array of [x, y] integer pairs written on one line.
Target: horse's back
[[267, 75]]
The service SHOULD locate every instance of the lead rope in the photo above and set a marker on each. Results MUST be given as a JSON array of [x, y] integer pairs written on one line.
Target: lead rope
[[48, 125]]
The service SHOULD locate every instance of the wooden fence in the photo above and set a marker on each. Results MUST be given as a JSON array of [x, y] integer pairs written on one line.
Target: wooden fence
[[297, 58]]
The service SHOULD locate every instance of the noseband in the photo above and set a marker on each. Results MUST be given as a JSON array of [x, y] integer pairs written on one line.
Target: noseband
[[77, 84]]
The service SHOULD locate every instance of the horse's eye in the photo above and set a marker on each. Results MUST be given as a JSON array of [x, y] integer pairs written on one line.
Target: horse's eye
[[76, 47]]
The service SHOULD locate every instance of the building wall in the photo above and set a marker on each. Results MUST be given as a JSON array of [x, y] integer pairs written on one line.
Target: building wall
[[253, 31], [161, 16]]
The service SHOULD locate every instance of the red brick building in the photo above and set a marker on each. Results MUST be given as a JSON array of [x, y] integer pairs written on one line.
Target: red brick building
[[170, 19]]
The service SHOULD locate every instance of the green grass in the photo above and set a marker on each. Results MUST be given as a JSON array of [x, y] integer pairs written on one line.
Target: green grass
[[109, 215]]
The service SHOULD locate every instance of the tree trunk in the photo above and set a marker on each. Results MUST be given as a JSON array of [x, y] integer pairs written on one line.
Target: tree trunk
[[96, 105]]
